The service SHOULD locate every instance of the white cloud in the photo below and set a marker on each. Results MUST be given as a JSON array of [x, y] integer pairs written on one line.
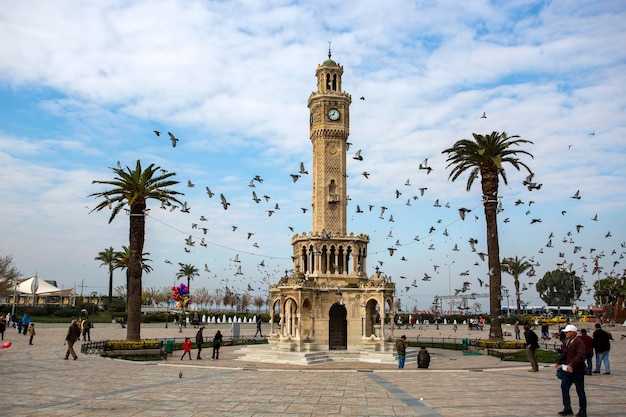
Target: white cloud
[[231, 80]]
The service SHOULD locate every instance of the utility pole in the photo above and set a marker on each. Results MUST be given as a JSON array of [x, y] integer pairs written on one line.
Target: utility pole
[[449, 287]]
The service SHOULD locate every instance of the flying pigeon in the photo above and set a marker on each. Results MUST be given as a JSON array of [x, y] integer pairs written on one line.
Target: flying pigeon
[[225, 203], [173, 138]]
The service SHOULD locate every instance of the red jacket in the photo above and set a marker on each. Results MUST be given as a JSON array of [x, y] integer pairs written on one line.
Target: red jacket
[[187, 345]]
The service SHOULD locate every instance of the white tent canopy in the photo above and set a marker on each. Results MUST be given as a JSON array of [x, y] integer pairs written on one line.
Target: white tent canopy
[[43, 288]]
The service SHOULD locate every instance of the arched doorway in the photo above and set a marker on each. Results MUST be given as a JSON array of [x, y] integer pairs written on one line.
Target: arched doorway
[[338, 327]]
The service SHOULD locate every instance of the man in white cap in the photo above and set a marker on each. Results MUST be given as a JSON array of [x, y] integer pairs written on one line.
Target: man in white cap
[[574, 371]]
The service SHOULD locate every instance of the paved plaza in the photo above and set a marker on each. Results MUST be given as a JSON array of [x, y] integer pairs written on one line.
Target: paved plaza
[[36, 381]]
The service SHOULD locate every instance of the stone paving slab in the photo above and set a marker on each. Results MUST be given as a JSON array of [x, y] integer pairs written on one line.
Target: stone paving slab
[[38, 382]]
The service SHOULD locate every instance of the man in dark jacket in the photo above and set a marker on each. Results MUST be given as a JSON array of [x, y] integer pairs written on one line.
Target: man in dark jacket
[[573, 371], [199, 341], [602, 345], [73, 334], [401, 349], [532, 343]]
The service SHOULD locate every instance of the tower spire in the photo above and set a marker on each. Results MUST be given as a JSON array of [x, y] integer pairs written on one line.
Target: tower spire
[[329, 53]]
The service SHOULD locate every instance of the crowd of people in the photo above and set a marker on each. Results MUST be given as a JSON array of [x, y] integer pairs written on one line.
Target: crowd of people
[[575, 360]]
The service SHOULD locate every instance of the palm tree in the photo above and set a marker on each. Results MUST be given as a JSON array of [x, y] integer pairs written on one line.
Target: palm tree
[[485, 156], [187, 271], [132, 188], [109, 259], [516, 267]]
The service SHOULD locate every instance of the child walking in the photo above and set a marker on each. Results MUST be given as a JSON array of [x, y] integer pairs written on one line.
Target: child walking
[[186, 348], [31, 333]]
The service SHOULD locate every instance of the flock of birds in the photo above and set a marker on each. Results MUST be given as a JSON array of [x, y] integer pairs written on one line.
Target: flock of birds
[[253, 266]]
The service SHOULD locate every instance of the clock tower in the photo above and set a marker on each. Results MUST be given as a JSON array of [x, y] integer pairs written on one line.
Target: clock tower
[[328, 302], [329, 130]]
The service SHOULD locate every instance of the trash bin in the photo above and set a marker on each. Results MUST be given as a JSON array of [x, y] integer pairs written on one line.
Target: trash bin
[[169, 346], [465, 342]]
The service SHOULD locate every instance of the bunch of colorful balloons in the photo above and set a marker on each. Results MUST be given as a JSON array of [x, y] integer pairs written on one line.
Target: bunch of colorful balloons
[[181, 295]]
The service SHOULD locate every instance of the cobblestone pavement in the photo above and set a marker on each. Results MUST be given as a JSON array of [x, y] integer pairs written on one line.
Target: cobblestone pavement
[[36, 381]]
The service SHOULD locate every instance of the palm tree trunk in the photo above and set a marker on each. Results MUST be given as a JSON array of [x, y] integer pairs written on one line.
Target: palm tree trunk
[[517, 297], [137, 236], [490, 193], [110, 284]]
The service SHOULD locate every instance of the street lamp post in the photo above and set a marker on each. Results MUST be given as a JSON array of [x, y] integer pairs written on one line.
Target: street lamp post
[[14, 297], [449, 287]]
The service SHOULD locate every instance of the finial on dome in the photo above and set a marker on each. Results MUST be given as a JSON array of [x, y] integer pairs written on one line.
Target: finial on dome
[[329, 54]]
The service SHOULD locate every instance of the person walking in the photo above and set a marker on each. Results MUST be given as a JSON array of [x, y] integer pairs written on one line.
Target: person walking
[[602, 346], [31, 333], [3, 327], [73, 334], [199, 341], [573, 368], [25, 324], [258, 325], [588, 349], [517, 330], [217, 343], [186, 348], [401, 349], [532, 344]]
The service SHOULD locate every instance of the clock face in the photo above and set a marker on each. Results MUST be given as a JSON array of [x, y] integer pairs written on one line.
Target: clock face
[[333, 114]]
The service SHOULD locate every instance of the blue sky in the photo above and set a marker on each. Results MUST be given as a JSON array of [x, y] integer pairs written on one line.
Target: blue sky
[[84, 84]]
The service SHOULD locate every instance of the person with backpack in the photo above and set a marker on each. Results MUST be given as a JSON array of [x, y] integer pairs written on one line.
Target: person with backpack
[[532, 344]]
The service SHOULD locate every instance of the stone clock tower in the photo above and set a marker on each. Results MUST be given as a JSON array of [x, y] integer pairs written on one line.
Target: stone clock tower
[[329, 302], [329, 130]]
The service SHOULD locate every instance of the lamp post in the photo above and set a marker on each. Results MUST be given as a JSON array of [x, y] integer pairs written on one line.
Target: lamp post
[[167, 313], [93, 305], [449, 287], [14, 297]]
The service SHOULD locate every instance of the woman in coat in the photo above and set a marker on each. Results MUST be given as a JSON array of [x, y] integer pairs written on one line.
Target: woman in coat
[[217, 343]]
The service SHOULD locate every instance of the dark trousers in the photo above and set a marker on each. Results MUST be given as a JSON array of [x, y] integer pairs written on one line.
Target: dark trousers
[[70, 350], [530, 352], [216, 352], [199, 350], [578, 379]]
